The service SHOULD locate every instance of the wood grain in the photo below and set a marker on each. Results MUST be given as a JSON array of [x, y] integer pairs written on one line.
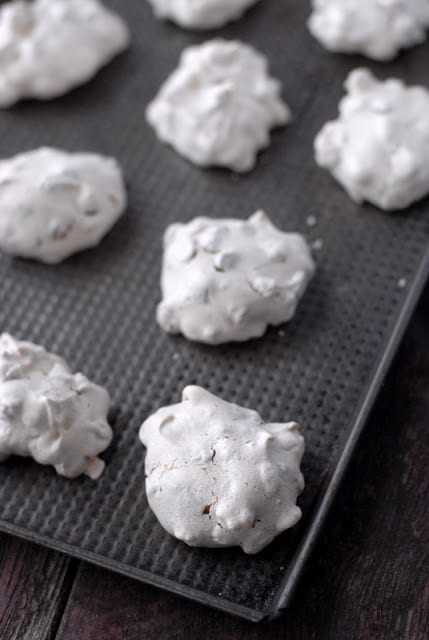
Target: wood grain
[[34, 586], [368, 578]]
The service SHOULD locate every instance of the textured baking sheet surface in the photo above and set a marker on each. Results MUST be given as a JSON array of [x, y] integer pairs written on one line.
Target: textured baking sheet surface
[[98, 308]]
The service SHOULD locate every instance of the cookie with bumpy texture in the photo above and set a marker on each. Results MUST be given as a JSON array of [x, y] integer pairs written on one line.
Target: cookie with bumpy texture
[[201, 14], [54, 203], [46, 412], [218, 476], [218, 107], [375, 28], [227, 280], [49, 47], [378, 148]]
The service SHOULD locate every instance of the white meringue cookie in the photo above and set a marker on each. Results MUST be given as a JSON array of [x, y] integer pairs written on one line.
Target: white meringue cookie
[[218, 107], [54, 203], [201, 14], [49, 47], [46, 412], [378, 148], [375, 28], [218, 476], [227, 280]]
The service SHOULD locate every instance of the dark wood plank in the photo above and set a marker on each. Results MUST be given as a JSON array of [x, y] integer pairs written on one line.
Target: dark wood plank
[[34, 586], [368, 579]]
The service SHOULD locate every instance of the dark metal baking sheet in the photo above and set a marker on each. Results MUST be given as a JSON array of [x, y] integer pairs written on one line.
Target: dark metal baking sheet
[[97, 309]]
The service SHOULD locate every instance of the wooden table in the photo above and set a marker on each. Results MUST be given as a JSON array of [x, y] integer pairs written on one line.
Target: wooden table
[[368, 578]]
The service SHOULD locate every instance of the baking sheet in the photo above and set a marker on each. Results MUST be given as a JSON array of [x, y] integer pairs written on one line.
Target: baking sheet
[[98, 308]]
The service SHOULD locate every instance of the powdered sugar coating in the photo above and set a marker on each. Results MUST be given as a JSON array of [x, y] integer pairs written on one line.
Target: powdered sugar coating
[[218, 476], [46, 412]]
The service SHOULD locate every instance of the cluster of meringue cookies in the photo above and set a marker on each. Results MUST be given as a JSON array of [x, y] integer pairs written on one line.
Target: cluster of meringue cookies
[[216, 474]]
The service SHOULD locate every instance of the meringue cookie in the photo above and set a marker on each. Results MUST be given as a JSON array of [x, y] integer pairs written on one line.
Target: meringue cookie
[[49, 47], [46, 412], [378, 148], [54, 203], [218, 107], [227, 280], [375, 28], [201, 14], [218, 476]]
